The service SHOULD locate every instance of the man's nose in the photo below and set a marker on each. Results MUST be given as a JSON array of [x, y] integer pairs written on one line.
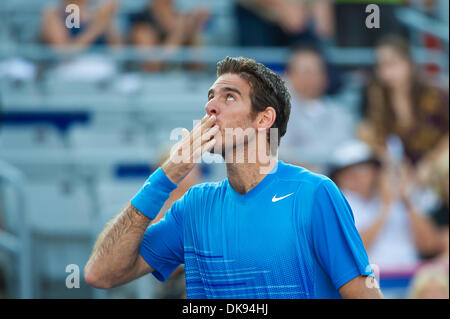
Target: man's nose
[[212, 108]]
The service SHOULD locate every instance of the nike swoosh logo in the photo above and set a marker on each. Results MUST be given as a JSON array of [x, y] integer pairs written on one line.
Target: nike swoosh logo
[[146, 184], [275, 199]]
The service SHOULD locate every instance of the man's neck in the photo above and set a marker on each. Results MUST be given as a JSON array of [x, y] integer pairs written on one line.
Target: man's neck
[[243, 177], [248, 164]]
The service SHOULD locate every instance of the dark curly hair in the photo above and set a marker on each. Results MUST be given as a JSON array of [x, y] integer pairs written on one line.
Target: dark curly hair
[[266, 88]]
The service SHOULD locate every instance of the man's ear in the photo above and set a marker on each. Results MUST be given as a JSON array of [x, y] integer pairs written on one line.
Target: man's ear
[[266, 118]]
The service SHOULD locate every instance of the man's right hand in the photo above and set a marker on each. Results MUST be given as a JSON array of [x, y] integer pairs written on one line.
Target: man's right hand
[[185, 154]]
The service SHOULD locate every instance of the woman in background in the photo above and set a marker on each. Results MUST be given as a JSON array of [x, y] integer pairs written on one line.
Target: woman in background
[[398, 102]]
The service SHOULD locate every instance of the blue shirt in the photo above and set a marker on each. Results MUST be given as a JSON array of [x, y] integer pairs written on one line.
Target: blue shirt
[[291, 236]]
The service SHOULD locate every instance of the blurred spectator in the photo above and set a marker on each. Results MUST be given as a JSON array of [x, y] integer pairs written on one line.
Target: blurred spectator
[[96, 29], [283, 22], [351, 30], [394, 232], [96, 25], [159, 24], [399, 103], [317, 122], [440, 179], [430, 282]]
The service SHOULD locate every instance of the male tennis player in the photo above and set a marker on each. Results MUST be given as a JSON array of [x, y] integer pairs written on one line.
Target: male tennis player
[[283, 233]]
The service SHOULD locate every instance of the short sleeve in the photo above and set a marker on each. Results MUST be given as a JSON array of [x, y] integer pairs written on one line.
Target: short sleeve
[[337, 243], [364, 214], [162, 245]]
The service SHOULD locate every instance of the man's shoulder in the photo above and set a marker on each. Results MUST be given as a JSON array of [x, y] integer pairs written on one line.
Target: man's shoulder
[[203, 197], [305, 183], [298, 174], [207, 188]]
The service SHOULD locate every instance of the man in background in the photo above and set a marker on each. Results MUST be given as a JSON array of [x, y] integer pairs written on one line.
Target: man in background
[[318, 122]]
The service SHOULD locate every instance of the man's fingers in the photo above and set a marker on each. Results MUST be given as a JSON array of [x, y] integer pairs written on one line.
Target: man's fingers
[[199, 123], [185, 132], [204, 125], [204, 148], [185, 139], [202, 140], [209, 146], [195, 133], [200, 134], [207, 135]]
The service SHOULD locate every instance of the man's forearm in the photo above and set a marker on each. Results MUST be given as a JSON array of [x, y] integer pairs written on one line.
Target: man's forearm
[[117, 248], [115, 258], [361, 287]]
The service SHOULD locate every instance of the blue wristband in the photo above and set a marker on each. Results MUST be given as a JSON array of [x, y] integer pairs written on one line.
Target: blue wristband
[[153, 194]]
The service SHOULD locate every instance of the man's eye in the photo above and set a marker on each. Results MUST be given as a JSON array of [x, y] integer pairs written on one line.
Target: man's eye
[[229, 96]]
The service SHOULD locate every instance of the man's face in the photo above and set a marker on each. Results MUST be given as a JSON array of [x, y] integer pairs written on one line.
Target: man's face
[[229, 100], [307, 75]]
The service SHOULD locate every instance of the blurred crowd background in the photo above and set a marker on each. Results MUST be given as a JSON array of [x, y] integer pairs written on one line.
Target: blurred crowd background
[[87, 113]]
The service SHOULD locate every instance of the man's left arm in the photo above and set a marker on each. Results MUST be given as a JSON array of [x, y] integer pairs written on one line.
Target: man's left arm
[[338, 245], [361, 287]]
